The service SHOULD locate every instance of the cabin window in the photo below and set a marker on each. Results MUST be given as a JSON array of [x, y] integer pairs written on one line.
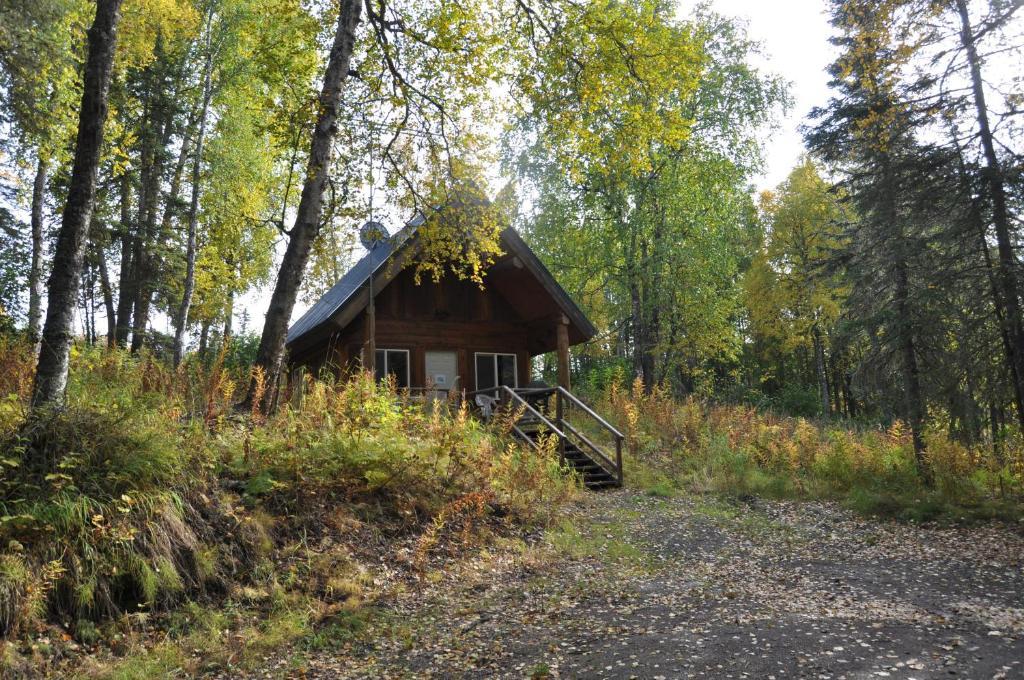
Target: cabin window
[[393, 362], [494, 370]]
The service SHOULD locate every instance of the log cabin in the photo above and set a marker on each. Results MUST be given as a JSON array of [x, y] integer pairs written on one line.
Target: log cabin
[[452, 334], [455, 338]]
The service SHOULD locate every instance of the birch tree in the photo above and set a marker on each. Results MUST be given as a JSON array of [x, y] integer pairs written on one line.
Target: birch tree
[[52, 368]]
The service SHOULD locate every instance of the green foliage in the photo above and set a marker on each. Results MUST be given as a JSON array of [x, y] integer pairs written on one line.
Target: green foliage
[[358, 438], [39, 73], [797, 400], [540, 672], [241, 351], [792, 297], [650, 235], [109, 496], [23, 593], [610, 85], [606, 541], [462, 236], [14, 254], [340, 630], [920, 333]]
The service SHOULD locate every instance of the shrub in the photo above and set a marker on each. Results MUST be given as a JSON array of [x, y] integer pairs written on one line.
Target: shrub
[[22, 592], [357, 438], [739, 450], [799, 400], [119, 504]]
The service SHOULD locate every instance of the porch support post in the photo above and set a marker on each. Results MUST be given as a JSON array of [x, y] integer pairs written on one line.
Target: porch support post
[[562, 332], [370, 346]]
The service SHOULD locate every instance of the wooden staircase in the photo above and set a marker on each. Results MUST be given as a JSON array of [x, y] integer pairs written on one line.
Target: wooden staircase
[[548, 412]]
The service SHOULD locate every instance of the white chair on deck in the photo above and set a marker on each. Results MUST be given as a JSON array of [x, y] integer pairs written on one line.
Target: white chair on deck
[[486, 405]]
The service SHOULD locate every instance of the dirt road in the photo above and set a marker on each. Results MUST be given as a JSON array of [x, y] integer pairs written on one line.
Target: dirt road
[[632, 586]]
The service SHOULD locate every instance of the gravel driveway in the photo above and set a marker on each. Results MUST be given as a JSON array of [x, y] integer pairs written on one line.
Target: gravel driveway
[[632, 586]]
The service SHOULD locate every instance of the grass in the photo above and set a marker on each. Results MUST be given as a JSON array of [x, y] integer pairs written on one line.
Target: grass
[[736, 451], [338, 632], [540, 672], [662, 489], [748, 521], [605, 541], [207, 638], [164, 660]]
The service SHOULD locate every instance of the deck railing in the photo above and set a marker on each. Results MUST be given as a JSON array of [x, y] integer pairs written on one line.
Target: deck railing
[[536, 400]]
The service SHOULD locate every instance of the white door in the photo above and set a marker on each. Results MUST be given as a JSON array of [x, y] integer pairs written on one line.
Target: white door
[[441, 369]]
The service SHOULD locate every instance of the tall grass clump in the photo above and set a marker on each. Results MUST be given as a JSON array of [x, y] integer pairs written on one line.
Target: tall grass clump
[[356, 439], [107, 505], [740, 450]]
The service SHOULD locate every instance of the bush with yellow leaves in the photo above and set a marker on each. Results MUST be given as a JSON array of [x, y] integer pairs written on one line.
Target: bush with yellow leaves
[[739, 450]]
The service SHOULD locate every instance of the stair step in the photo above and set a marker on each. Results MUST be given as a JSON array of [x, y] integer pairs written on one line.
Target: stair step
[[586, 467], [602, 484], [584, 464], [593, 474]]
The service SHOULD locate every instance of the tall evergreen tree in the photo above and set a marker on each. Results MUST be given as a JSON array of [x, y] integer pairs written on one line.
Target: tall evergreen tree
[[868, 132]]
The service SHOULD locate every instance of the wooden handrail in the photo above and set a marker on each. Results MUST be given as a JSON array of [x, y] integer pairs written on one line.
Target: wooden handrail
[[611, 467], [550, 425], [564, 428], [590, 412], [615, 467], [524, 437]]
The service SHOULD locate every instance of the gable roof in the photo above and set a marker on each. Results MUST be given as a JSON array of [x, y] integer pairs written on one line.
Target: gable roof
[[342, 297], [348, 285], [515, 245]]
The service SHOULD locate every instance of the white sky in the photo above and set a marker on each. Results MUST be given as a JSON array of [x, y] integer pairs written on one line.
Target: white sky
[[794, 38]]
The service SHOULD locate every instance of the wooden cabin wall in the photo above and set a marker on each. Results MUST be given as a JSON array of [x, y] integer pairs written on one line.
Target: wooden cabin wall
[[452, 315]]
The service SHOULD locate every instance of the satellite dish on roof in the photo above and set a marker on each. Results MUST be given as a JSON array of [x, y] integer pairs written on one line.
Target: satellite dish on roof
[[372, 233]]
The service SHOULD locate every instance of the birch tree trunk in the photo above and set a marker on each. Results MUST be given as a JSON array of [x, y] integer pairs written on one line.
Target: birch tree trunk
[[52, 369], [307, 220], [35, 273], [181, 320], [125, 283], [108, 298]]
